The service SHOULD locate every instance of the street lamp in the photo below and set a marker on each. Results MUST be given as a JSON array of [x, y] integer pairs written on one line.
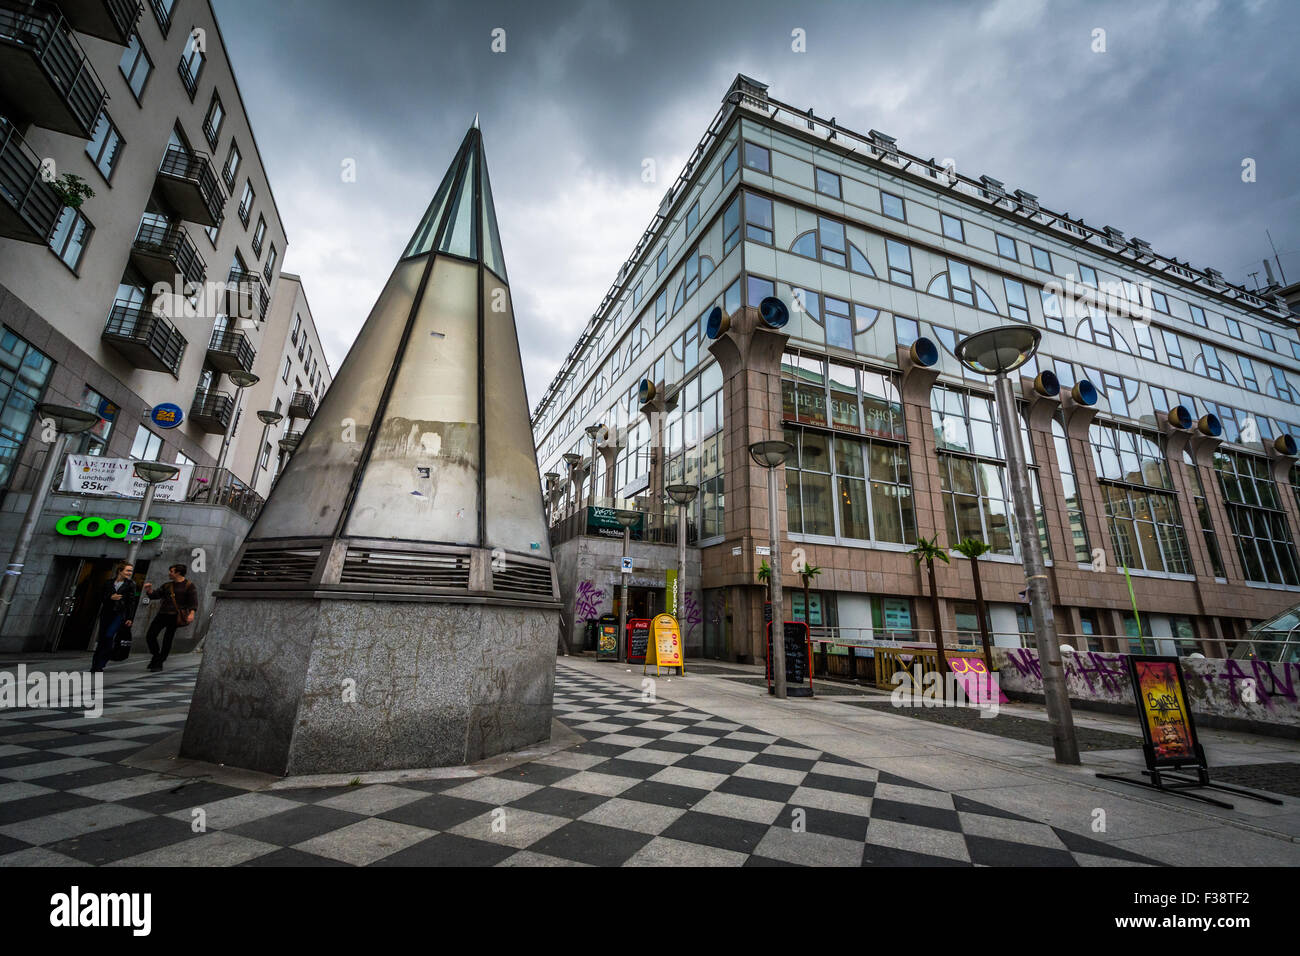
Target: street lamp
[[67, 421], [626, 519], [592, 432], [551, 478], [683, 495], [998, 352], [268, 418], [769, 455], [152, 473], [242, 381]]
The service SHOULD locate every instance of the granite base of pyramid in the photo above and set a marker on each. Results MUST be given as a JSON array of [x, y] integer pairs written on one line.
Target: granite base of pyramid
[[310, 685]]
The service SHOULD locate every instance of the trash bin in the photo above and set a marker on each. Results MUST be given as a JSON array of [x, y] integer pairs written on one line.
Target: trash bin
[[591, 634]]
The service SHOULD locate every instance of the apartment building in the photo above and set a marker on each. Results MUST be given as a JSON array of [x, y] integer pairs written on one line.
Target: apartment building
[[1166, 459], [140, 253], [293, 377]]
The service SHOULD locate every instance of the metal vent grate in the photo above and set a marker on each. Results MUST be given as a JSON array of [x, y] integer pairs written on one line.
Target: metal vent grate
[[405, 568], [524, 579], [277, 567]]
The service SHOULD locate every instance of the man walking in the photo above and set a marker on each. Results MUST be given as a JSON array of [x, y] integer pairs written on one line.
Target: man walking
[[180, 600], [116, 611]]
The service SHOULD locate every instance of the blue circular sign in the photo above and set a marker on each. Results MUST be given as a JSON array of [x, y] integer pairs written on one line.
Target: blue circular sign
[[166, 415]]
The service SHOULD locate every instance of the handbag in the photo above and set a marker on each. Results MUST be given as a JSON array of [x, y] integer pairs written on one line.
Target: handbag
[[121, 644], [183, 618]]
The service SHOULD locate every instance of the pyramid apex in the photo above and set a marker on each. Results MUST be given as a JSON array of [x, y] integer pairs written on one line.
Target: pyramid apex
[[474, 125]]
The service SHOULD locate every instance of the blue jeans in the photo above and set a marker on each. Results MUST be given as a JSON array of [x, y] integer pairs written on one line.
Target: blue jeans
[[108, 628]]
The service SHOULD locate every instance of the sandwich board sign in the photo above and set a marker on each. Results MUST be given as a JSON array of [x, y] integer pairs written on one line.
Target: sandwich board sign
[[665, 646]]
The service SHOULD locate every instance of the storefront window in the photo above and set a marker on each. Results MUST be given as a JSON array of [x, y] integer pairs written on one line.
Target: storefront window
[[23, 374]]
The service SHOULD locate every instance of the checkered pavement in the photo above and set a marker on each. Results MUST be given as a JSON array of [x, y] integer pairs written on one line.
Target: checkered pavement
[[653, 783]]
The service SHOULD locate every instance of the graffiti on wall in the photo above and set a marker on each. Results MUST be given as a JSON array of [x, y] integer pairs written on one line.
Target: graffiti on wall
[[588, 601], [691, 616], [1267, 691]]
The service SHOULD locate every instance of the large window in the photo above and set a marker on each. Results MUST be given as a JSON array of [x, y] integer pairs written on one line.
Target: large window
[[1203, 513], [71, 233], [1073, 501], [135, 65], [1141, 508], [758, 219], [105, 145], [976, 492], [900, 262], [233, 159], [1258, 522], [23, 374], [840, 396], [757, 157], [847, 487], [147, 446], [191, 65]]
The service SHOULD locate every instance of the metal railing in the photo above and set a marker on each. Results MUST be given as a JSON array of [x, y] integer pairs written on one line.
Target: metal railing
[[158, 237], [33, 199], [40, 27], [163, 14], [131, 322], [302, 405], [207, 485], [195, 167], [212, 407], [235, 344], [187, 77]]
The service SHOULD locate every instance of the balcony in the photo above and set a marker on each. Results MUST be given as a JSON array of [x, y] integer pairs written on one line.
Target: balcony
[[230, 351], [147, 340], [29, 206], [302, 405], [243, 292], [263, 302], [189, 185], [211, 410], [111, 20], [44, 72], [163, 251]]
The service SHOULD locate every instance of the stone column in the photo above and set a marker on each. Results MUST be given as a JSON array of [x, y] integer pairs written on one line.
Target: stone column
[[749, 354]]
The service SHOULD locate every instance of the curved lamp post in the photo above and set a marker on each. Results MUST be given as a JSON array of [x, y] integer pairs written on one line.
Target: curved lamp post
[[626, 519], [152, 473], [548, 501], [267, 417], [998, 352], [67, 421], [770, 455], [592, 432], [571, 459], [242, 381], [683, 495]]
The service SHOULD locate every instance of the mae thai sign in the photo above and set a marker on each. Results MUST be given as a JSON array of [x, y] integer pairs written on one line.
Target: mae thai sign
[[93, 475]]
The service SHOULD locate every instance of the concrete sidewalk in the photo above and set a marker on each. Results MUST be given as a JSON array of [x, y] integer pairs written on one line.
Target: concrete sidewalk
[[1016, 776]]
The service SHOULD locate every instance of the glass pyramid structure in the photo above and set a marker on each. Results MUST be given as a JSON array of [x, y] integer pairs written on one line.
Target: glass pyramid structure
[[417, 473]]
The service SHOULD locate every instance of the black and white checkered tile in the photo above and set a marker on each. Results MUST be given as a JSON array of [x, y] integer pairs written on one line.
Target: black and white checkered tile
[[654, 783]]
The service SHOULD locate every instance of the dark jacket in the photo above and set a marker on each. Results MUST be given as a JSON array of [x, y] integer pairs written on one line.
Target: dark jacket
[[173, 596], [130, 598]]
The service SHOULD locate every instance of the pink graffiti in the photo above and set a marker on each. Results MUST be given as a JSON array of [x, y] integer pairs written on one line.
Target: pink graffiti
[[588, 600]]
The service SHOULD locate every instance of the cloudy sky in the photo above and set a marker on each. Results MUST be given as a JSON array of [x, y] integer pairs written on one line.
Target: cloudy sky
[[1149, 135]]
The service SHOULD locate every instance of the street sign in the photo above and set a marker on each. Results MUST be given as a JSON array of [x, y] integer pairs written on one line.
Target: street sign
[[166, 415], [135, 530], [627, 566], [763, 549]]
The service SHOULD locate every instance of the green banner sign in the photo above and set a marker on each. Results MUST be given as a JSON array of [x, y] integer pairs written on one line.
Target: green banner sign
[[89, 526], [603, 523]]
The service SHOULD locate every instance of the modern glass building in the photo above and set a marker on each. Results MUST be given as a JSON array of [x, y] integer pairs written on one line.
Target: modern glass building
[[1170, 466]]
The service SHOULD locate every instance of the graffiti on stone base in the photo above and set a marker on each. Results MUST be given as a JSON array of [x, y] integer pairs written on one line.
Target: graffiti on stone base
[[589, 599], [691, 616]]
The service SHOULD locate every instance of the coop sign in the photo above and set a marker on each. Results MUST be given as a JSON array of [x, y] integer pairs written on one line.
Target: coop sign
[[89, 526]]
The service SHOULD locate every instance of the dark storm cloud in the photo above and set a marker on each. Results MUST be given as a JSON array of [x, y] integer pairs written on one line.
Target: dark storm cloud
[[1148, 136]]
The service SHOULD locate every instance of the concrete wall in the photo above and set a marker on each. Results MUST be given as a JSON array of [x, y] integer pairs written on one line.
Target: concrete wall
[[1249, 694], [186, 527], [588, 570]]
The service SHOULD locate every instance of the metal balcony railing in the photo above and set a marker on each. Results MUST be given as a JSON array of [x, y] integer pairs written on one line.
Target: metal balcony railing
[[243, 294], [162, 12], [148, 340], [44, 71], [164, 243], [190, 185], [263, 301], [230, 350], [31, 207], [211, 410], [188, 78], [302, 405], [112, 20]]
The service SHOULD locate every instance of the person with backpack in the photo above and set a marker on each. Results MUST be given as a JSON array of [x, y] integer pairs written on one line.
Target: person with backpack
[[180, 601], [118, 600]]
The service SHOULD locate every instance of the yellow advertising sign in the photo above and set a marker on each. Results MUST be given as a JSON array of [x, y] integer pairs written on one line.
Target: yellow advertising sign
[[665, 648]]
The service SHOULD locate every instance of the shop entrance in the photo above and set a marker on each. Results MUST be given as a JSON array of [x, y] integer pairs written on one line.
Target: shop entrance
[[642, 602], [73, 591]]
